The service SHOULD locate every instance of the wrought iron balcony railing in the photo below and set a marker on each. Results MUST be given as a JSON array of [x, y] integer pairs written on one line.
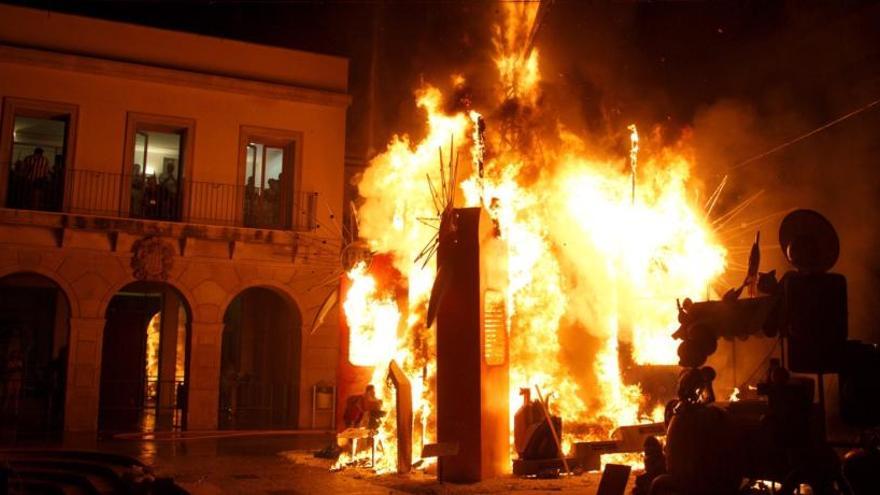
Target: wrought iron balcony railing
[[125, 196]]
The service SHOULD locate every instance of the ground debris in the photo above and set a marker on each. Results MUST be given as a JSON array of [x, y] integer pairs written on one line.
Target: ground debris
[[421, 483]]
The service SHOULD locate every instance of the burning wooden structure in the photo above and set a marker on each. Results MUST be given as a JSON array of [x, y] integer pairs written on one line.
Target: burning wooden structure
[[549, 260], [472, 355]]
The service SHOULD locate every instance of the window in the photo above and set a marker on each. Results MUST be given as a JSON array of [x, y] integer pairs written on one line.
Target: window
[[156, 174], [36, 149], [269, 158]]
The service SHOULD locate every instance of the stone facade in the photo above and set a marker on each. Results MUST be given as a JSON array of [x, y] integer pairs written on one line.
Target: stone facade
[[90, 255]]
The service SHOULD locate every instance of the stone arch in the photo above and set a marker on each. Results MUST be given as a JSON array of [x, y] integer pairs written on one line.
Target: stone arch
[[183, 292], [63, 285], [185, 296], [281, 289], [261, 358], [35, 330], [145, 362]]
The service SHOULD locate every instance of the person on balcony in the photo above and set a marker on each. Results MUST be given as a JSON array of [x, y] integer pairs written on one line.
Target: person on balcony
[[168, 191], [150, 201], [18, 194], [271, 197], [35, 170], [137, 190], [250, 201], [56, 184]]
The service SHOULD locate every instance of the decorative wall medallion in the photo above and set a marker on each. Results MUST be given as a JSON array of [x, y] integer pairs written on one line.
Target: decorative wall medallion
[[152, 259]]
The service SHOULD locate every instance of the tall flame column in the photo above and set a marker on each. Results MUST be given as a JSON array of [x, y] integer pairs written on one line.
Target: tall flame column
[[472, 351], [351, 378]]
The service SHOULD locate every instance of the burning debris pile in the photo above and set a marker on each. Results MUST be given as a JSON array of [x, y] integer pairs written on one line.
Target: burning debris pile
[[598, 249]]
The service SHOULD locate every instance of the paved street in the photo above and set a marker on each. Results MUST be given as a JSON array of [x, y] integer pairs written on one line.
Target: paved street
[[242, 465], [282, 464]]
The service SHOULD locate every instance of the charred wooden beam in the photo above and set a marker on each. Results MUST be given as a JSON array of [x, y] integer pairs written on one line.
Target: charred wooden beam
[[403, 403]]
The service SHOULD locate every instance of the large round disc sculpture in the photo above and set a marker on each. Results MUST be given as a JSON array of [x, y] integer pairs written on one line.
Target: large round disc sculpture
[[809, 241]]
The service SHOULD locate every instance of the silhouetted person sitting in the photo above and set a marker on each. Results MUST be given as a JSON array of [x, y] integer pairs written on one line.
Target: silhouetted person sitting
[[363, 411]]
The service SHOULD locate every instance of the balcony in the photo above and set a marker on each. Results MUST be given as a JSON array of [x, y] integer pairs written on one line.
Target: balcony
[[85, 192]]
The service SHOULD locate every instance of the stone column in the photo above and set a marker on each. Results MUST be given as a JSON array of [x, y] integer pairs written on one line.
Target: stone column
[[83, 375], [204, 375], [167, 362]]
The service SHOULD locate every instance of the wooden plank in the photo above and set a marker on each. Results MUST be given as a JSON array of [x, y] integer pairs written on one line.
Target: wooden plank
[[614, 479], [631, 438], [589, 454], [353, 433], [439, 449], [403, 402], [552, 428], [534, 466]]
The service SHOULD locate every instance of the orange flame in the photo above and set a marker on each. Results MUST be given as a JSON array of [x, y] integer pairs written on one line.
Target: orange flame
[[151, 367], [375, 320], [592, 261], [372, 320], [734, 396]]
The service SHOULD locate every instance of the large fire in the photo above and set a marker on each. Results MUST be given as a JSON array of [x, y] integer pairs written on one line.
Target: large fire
[[373, 331], [599, 249]]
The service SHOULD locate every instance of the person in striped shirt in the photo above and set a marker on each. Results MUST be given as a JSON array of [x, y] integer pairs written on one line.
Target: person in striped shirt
[[36, 167], [35, 170]]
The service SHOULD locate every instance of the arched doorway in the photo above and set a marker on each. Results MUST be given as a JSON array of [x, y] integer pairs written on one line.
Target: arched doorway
[[34, 333], [260, 362], [145, 360]]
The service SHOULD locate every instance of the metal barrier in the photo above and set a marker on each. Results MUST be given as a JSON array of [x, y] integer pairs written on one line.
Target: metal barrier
[[142, 405], [250, 404], [25, 193], [145, 197]]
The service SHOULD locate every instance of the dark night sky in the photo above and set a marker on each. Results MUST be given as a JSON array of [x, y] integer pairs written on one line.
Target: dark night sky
[[643, 61], [743, 76]]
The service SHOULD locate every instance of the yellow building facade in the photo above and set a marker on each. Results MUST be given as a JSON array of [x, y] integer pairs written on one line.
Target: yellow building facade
[[168, 228]]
